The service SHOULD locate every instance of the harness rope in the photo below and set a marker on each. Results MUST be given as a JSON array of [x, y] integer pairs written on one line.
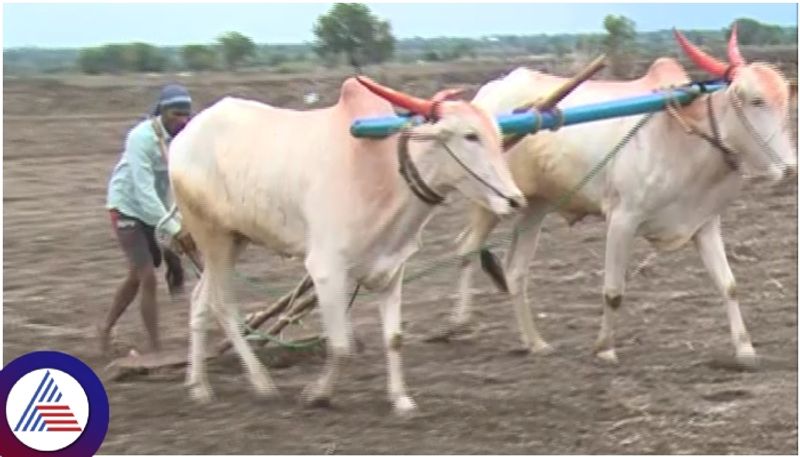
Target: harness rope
[[673, 108], [415, 182]]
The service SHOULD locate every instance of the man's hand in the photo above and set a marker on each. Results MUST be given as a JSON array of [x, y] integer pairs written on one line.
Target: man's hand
[[183, 242]]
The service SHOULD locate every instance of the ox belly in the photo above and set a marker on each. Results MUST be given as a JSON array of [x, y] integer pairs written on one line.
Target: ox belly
[[674, 224]]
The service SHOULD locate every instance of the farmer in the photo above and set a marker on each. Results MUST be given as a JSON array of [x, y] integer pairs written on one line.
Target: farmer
[[138, 197]]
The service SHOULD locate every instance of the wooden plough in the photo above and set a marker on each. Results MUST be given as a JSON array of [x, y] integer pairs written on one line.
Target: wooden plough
[[289, 309]]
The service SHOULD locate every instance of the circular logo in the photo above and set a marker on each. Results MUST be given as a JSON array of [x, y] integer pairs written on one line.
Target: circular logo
[[54, 405]]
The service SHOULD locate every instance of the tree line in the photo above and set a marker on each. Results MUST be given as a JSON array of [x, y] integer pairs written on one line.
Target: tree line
[[350, 34]]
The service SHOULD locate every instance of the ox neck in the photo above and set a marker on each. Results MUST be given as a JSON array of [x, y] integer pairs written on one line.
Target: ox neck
[[709, 128], [717, 138], [412, 176], [407, 214]]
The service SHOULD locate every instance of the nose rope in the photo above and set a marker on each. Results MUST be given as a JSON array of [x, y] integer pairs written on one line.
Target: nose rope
[[510, 201], [415, 182], [728, 155]]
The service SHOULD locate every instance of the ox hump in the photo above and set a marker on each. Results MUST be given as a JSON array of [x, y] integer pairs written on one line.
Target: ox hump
[[667, 71], [361, 101]]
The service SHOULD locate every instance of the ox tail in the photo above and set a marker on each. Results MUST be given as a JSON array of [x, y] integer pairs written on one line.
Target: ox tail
[[491, 266]]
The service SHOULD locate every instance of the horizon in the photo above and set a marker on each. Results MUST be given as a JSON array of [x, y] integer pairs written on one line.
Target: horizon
[[36, 25]]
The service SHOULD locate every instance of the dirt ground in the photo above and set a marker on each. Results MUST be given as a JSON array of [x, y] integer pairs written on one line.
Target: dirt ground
[[674, 391]]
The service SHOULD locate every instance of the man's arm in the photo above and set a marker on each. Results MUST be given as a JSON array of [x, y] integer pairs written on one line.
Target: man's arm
[[140, 159]]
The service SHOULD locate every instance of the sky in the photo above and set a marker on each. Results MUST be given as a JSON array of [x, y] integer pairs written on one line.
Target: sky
[[74, 25]]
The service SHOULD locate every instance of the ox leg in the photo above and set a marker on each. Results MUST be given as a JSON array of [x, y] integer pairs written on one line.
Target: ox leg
[[619, 238], [220, 265], [197, 377], [390, 305], [482, 222], [708, 241], [523, 247], [333, 289]]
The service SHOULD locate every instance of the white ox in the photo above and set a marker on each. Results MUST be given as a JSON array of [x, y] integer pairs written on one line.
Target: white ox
[[298, 183], [665, 185]]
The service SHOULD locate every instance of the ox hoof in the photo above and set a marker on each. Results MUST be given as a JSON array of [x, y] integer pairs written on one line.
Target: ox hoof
[[201, 394], [312, 397], [265, 389], [404, 406], [449, 331], [539, 350], [747, 359], [542, 349], [608, 356]]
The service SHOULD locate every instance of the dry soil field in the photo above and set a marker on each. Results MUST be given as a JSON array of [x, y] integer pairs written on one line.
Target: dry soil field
[[674, 391]]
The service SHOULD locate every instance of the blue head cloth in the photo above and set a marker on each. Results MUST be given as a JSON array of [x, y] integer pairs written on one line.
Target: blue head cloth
[[173, 96]]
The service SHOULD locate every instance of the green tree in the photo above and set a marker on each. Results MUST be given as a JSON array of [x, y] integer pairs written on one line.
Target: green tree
[[351, 29], [116, 58], [618, 43], [92, 61], [144, 58], [198, 57], [559, 46], [750, 31], [236, 49]]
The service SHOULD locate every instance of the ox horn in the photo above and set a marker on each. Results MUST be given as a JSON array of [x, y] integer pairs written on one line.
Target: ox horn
[[700, 58], [447, 94], [734, 56], [414, 104]]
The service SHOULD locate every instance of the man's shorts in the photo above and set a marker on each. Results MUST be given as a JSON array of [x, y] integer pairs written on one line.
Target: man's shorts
[[137, 240]]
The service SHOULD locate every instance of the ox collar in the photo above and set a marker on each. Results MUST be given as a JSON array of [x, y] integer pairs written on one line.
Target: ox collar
[[410, 173], [727, 153], [715, 140]]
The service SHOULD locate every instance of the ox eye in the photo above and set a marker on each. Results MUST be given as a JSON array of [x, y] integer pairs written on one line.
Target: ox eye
[[472, 137], [757, 102]]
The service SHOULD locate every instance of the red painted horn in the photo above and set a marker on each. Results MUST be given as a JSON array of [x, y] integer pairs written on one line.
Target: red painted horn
[[700, 58], [734, 56], [414, 104]]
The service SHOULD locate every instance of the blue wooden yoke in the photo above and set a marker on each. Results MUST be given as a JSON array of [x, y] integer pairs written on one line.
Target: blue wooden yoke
[[533, 121]]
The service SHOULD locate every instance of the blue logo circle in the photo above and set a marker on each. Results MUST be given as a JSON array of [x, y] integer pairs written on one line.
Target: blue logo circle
[[55, 406]]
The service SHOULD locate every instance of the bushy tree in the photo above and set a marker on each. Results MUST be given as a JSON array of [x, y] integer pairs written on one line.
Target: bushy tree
[[750, 31], [236, 49], [350, 29], [116, 58], [145, 58], [619, 44], [198, 57]]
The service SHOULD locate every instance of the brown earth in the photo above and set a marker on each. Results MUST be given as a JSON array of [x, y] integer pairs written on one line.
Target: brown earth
[[674, 391]]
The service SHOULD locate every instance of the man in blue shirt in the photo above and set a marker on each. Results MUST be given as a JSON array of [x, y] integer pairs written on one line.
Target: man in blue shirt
[[138, 197]]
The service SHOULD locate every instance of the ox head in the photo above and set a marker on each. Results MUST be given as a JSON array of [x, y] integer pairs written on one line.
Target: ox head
[[459, 148], [754, 113]]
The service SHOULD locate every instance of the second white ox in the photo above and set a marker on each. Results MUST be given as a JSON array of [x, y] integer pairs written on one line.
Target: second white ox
[[298, 183], [665, 184]]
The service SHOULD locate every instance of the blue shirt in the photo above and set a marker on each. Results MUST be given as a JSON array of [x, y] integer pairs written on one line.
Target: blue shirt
[[139, 184]]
